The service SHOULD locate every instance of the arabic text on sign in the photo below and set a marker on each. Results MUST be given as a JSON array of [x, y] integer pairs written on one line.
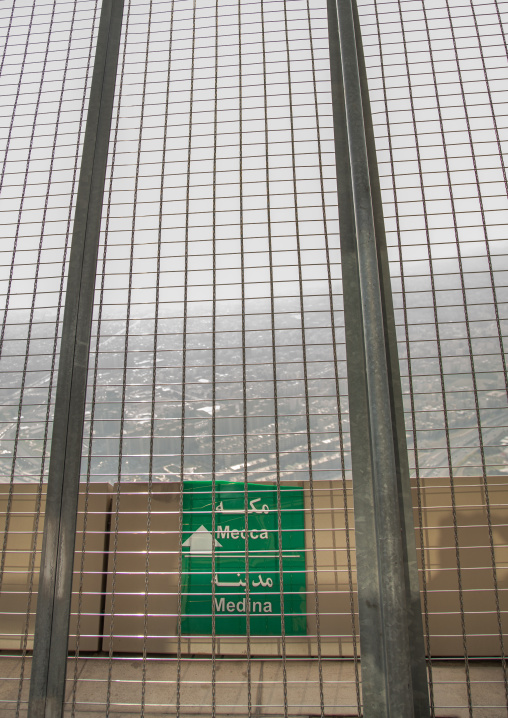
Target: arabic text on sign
[[253, 509], [268, 583]]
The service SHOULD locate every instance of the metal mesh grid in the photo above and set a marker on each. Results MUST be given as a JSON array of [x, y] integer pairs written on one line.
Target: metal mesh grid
[[439, 121], [220, 258], [47, 54], [218, 339]]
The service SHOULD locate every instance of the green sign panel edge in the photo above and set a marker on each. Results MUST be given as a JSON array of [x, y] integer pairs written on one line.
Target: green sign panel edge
[[227, 585]]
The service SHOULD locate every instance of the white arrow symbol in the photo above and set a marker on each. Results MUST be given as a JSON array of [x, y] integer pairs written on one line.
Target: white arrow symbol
[[201, 541]]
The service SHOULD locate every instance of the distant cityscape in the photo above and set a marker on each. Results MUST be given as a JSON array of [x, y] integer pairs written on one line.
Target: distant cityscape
[[227, 411]]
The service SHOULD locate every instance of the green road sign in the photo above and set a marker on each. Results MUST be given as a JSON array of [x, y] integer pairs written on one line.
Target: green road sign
[[221, 595]]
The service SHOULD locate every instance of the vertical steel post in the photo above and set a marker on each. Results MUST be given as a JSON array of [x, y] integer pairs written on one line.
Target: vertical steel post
[[49, 663], [412, 582], [394, 680]]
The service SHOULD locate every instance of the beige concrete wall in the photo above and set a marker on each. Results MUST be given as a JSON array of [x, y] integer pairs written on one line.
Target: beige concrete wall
[[478, 595], [127, 578], [475, 558], [334, 572], [16, 608], [128, 566], [335, 568], [127, 569], [150, 688]]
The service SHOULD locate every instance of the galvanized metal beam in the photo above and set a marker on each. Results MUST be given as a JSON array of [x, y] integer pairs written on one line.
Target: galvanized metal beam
[[394, 681], [49, 663], [413, 599]]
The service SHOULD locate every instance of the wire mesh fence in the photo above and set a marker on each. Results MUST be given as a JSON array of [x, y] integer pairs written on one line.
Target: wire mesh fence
[[215, 565]]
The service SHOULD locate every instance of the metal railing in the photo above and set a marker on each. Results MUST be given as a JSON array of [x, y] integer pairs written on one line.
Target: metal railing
[[218, 349]]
